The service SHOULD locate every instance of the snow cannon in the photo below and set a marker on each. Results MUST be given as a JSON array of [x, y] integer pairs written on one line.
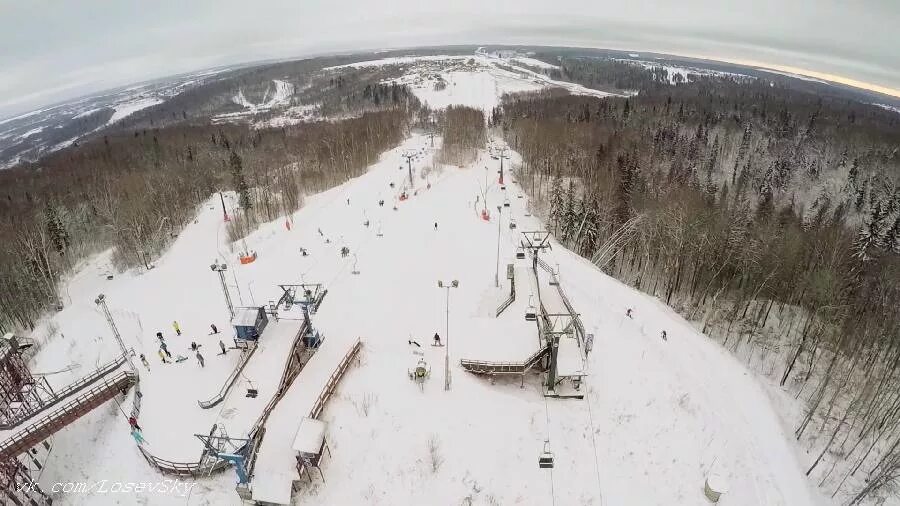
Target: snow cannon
[[247, 257]]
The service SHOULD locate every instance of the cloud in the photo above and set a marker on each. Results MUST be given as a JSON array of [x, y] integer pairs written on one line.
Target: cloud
[[58, 50]]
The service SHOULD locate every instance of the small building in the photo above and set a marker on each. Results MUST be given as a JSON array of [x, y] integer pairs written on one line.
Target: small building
[[309, 443], [249, 322]]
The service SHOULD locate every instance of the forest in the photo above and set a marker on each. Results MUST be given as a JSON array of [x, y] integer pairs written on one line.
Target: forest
[[769, 216], [134, 190]]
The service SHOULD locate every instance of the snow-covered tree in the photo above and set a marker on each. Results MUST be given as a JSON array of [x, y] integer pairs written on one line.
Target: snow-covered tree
[[871, 234]]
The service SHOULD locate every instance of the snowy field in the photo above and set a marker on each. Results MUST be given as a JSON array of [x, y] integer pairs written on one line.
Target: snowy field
[[658, 416], [478, 80]]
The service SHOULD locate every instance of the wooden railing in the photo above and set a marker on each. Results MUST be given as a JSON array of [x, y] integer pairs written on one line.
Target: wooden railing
[[65, 414], [486, 367], [333, 380], [67, 391]]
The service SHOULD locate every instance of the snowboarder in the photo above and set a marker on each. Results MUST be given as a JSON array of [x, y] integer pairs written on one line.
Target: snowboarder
[[437, 340], [162, 356], [134, 425], [195, 346], [176, 327], [366, 223], [222, 345], [628, 312], [165, 350], [160, 336], [215, 330], [381, 203], [200, 359], [415, 343], [144, 361], [320, 233], [663, 335], [138, 437]]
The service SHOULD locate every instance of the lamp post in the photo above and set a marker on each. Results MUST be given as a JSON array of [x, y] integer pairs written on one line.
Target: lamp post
[[101, 301], [447, 286], [497, 270], [221, 268]]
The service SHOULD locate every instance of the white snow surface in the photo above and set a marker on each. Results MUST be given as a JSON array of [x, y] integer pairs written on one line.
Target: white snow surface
[[533, 62], [477, 80], [791, 74], [658, 416], [125, 109]]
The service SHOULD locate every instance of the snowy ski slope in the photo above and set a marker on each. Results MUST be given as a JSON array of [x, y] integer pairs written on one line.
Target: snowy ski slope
[[657, 418]]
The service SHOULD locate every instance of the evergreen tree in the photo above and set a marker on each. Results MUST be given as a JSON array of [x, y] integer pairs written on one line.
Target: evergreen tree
[[556, 202], [871, 235], [892, 237], [239, 181], [569, 217], [55, 229]]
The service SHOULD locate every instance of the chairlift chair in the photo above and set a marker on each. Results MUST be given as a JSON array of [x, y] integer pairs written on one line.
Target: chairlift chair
[[512, 225], [545, 461], [506, 203], [520, 253], [531, 312]]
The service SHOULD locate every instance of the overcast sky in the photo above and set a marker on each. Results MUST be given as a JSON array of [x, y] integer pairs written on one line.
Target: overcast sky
[[54, 50]]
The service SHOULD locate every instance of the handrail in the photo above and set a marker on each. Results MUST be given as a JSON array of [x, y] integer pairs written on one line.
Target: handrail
[[229, 382]]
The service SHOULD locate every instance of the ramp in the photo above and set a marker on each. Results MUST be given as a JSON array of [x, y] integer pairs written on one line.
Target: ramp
[[229, 382], [492, 368], [274, 464], [66, 392], [65, 414]]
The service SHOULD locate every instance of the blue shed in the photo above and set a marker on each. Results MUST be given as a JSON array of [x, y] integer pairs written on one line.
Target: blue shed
[[249, 322]]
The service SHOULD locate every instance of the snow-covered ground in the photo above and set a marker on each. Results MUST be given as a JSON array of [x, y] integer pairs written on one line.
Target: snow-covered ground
[[658, 416], [477, 80], [125, 109]]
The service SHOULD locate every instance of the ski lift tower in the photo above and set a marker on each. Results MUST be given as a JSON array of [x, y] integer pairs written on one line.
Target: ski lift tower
[[409, 155], [502, 156], [218, 445], [535, 241]]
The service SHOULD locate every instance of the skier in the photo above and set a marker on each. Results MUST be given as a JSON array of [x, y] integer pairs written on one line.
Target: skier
[[176, 327], [348, 201], [162, 356], [663, 335], [435, 226], [381, 203], [165, 349], [215, 330], [320, 233], [200, 359], [222, 345], [195, 346], [144, 361], [392, 184], [437, 340], [134, 425], [138, 438], [415, 343], [628, 313]]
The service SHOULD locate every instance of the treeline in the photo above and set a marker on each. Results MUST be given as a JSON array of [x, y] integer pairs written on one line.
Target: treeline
[[464, 133], [135, 191], [769, 215]]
